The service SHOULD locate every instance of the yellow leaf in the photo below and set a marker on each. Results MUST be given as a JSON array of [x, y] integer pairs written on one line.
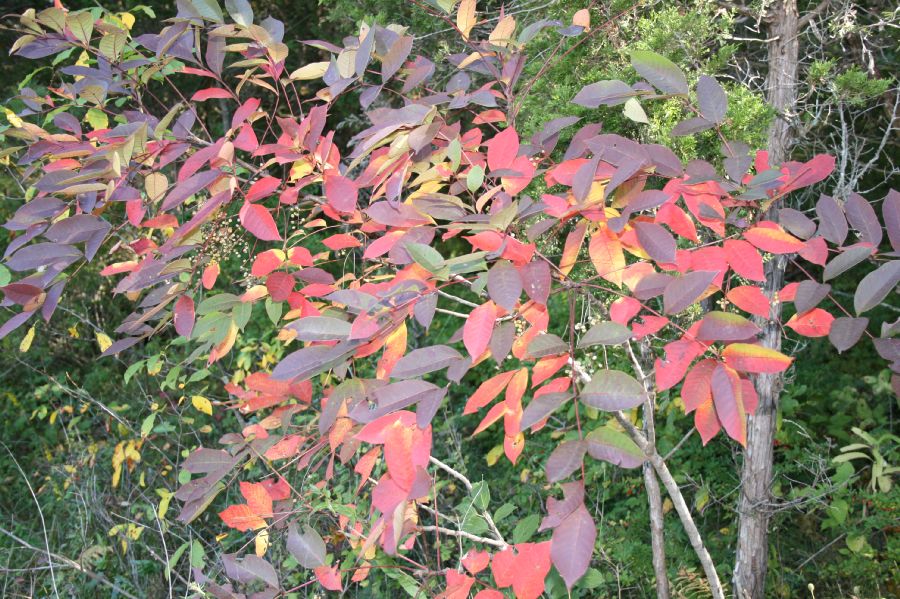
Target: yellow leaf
[[25, 345], [97, 119], [465, 17], [494, 455], [13, 119], [503, 32], [73, 332], [201, 404], [127, 19], [165, 498], [261, 542], [313, 70], [103, 341], [155, 184]]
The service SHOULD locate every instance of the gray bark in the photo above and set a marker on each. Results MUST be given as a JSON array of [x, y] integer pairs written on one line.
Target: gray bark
[[751, 560]]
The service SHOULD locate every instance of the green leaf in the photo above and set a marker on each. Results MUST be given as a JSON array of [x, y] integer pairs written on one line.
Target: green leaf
[[481, 495], [175, 557], [96, 119], [147, 424], [504, 511], [526, 528], [273, 310], [634, 111], [661, 72], [475, 178]]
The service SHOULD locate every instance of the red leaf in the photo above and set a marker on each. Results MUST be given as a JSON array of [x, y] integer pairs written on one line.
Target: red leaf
[[502, 149], [814, 323], [476, 561], [341, 192], [341, 241], [478, 329], [210, 93], [262, 188], [696, 389], [280, 285], [398, 455], [184, 316], [726, 391], [266, 262], [744, 259], [458, 585], [706, 422], [329, 577], [815, 250], [258, 220], [210, 274], [489, 594]]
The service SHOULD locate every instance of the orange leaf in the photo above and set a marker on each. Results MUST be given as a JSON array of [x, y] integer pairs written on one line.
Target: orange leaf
[[574, 240], [258, 499], [487, 391], [607, 256], [241, 517], [770, 237]]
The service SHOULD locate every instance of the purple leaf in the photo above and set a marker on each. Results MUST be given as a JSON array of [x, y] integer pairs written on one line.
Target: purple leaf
[[565, 459], [573, 545], [661, 72], [614, 447], [504, 284], [307, 547], [605, 333], [712, 99], [876, 286], [541, 407], [832, 222], [685, 290], [424, 360], [863, 218], [603, 93], [726, 326], [613, 390], [809, 294], [845, 332], [536, 278], [656, 241]]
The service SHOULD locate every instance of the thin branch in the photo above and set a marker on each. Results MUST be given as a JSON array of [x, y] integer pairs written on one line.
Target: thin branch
[[463, 534], [72, 564]]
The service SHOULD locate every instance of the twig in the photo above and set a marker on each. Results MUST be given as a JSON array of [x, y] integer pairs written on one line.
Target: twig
[[72, 564], [41, 515], [466, 535], [468, 484]]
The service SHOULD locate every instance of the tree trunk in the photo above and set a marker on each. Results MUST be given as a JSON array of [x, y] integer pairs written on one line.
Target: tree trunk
[[751, 561]]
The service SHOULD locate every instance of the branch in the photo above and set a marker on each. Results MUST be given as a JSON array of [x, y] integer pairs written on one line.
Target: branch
[[805, 19], [499, 542], [684, 512]]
